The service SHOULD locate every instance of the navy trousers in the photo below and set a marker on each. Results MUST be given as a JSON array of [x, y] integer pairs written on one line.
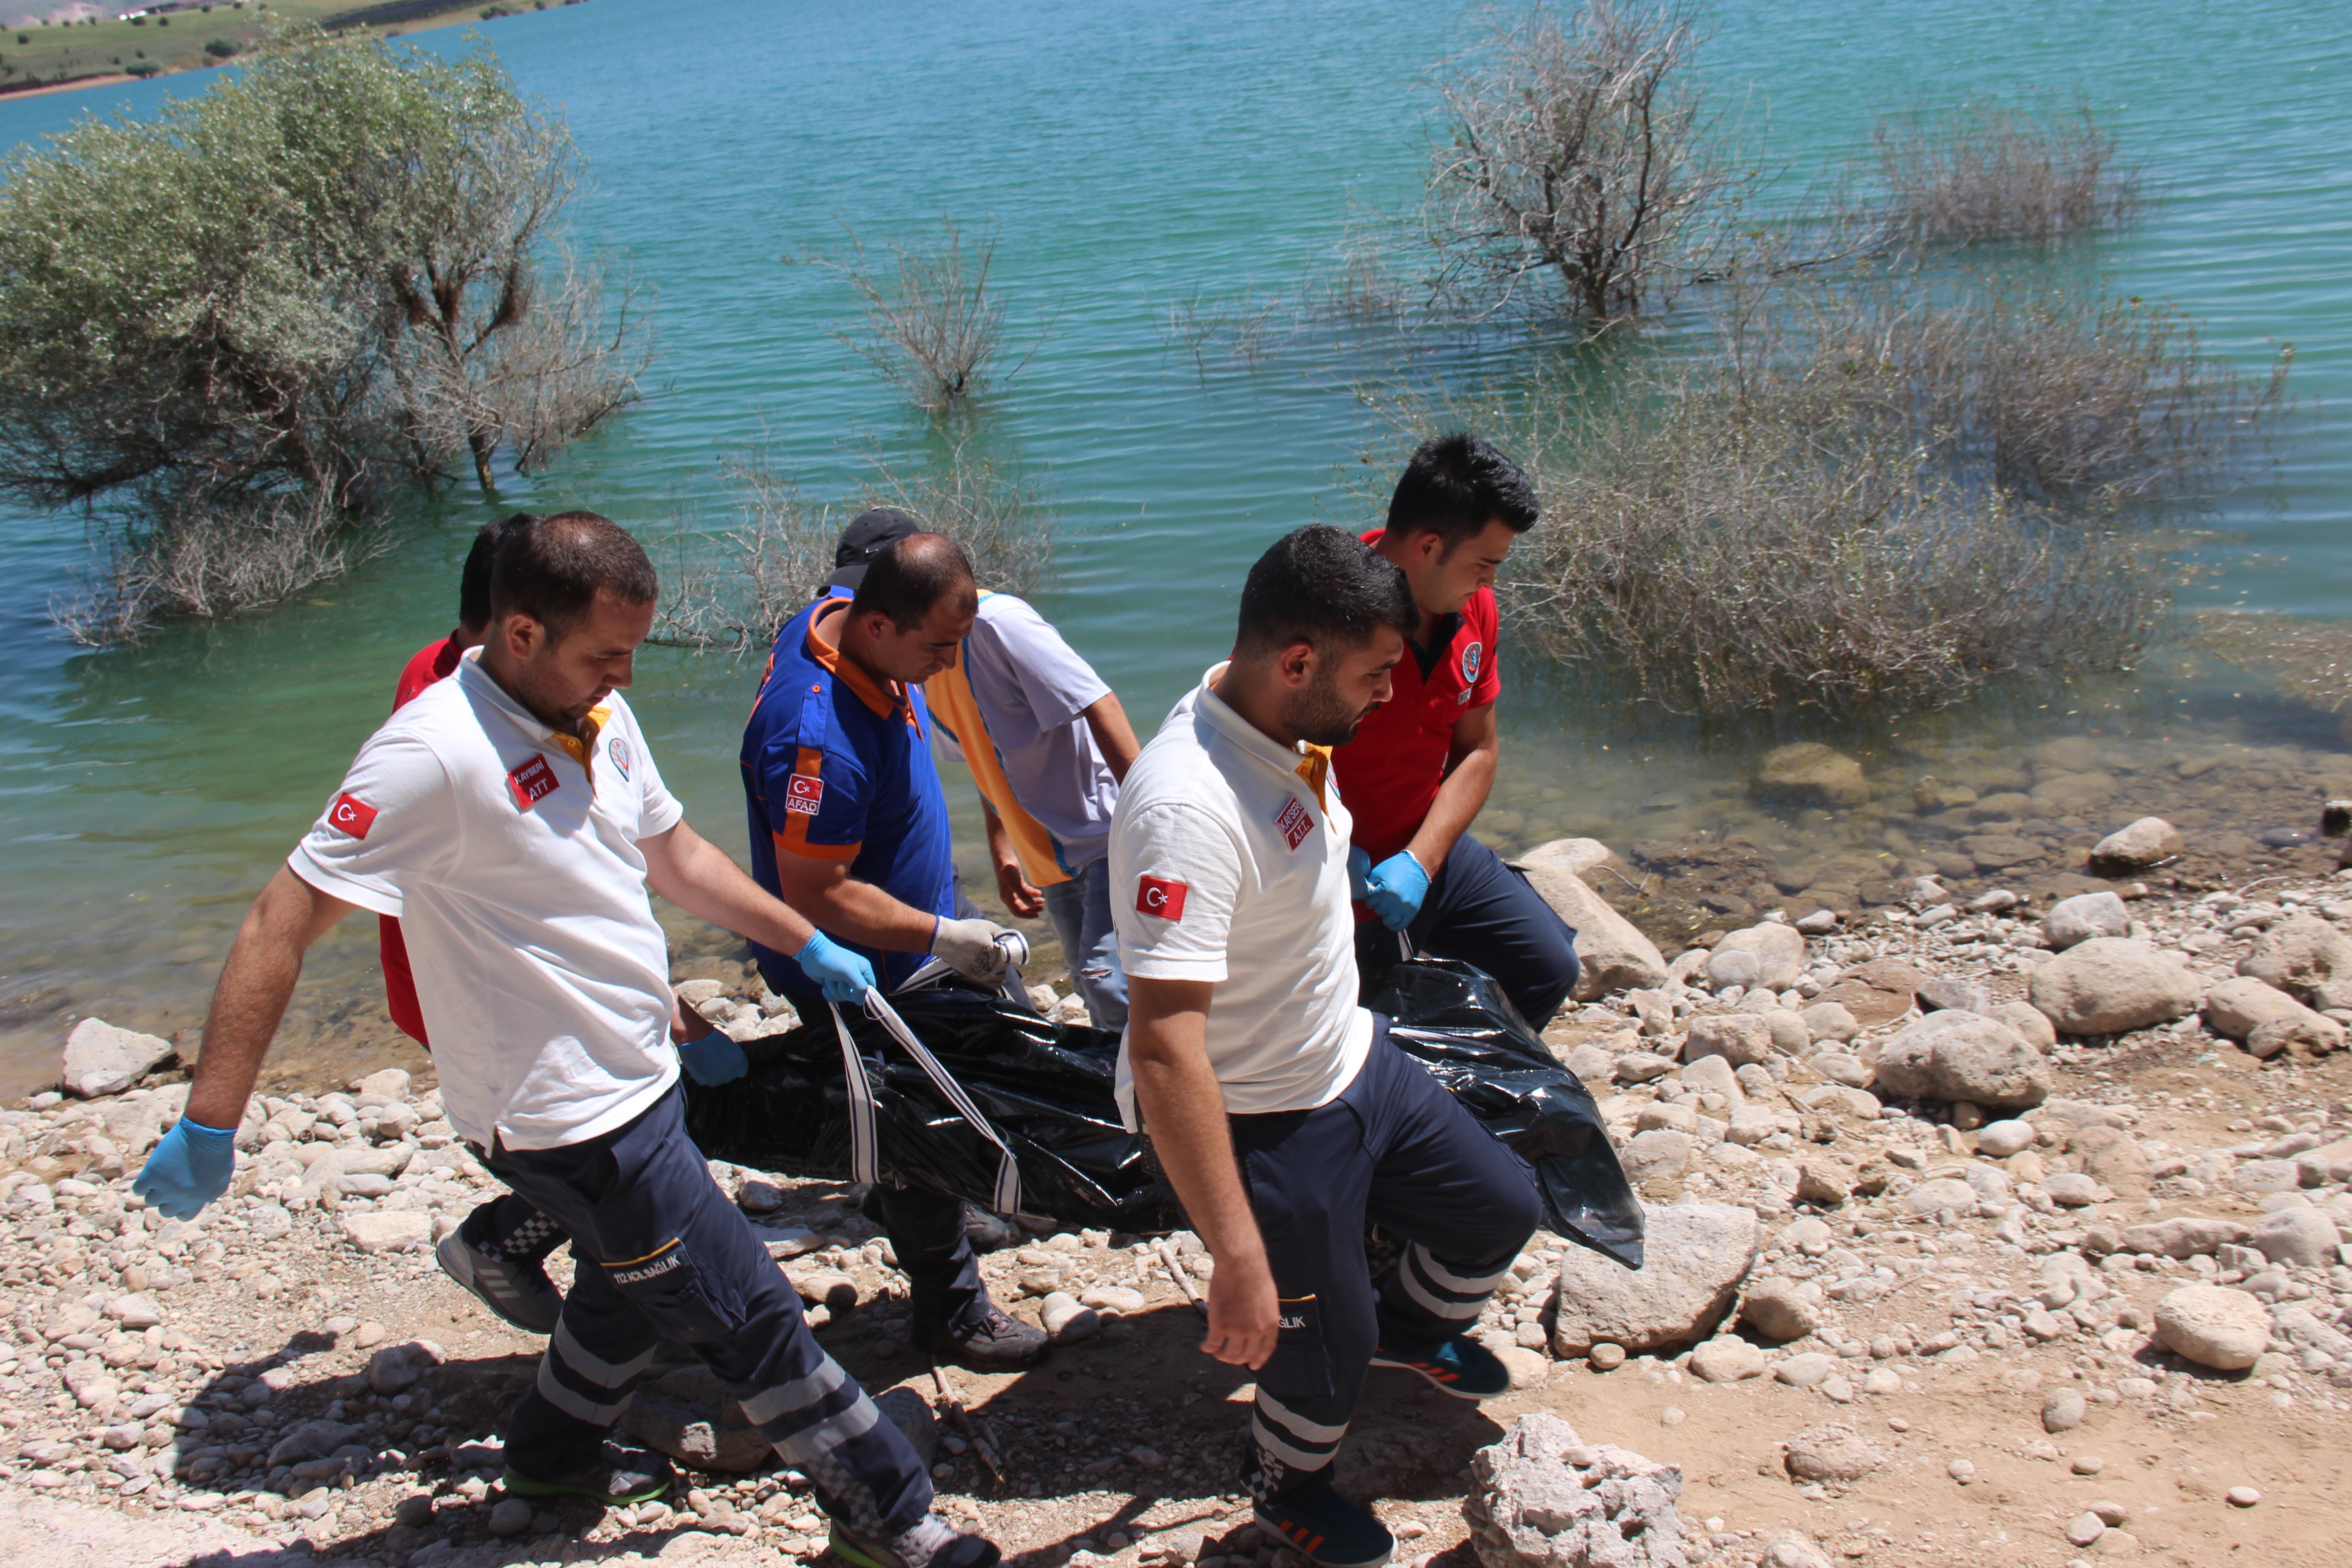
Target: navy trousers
[[663, 1253], [1481, 912], [1393, 1150]]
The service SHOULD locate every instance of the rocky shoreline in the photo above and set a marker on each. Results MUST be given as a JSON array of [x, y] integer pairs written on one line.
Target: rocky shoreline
[[1977, 1234]]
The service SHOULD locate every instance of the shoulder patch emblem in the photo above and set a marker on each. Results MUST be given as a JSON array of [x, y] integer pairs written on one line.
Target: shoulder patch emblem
[[617, 753], [1294, 822], [1157, 897], [352, 815], [805, 794], [1473, 656], [531, 782]]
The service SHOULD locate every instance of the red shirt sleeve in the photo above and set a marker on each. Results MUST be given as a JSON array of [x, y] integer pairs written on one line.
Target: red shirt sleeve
[[428, 664], [1485, 623]]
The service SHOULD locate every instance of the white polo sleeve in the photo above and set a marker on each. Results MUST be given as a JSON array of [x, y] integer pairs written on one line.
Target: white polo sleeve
[[391, 824], [1176, 875]]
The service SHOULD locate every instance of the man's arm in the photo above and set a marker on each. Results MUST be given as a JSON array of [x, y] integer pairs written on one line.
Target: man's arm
[[1012, 886], [850, 909], [1469, 777], [256, 984], [1113, 733], [1184, 1109], [703, 879]]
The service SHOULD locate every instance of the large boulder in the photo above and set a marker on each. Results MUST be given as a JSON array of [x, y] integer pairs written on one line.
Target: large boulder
[[1546, 1498], [2266, 1020], [1810, 773], [2148, 842], [2082, 917], [1697, 1254], [102, 1060], [2110, 986], [1965, 1056], [2214, 1326], [1611, 953], [2306, 957], [1779, 952], [2301, 1235]]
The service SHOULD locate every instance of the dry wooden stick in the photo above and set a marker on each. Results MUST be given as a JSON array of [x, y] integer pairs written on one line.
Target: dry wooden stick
[[1184, 1280], [963, 1421]]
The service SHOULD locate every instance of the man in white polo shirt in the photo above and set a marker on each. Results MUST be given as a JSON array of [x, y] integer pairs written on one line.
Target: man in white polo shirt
[[512, 819], [1283, 1116]]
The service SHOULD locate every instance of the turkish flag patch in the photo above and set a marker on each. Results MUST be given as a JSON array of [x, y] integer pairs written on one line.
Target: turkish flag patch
[[531, 782], [805, 792], [352, 814], [1161, 899], [1294, 822]]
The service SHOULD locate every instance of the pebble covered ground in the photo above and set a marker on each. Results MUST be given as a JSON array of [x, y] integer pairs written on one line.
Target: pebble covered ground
[[1910, 1330]]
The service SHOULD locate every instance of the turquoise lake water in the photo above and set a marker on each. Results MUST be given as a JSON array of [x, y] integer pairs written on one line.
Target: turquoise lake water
[[1130, 155]]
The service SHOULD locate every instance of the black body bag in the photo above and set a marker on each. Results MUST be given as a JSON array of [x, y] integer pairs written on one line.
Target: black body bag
[[1045, 1090]]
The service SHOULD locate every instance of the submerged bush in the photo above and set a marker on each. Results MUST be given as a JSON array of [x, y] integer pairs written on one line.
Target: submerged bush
[[1986, 170]]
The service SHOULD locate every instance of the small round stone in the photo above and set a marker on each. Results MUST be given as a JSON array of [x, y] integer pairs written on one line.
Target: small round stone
[[2088, 1463], [1897, 1424], [1672, 1416], [2243, 1497], [2086, 1530], [1606, 1357], [1961, 1470]]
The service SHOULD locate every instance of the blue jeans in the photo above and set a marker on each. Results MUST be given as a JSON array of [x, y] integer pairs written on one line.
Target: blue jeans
[[1080, 910]]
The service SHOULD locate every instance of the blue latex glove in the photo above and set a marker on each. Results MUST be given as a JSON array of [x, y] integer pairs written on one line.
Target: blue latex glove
[[189, 1169], [1395, 889], [714, 1058], [840, 973], [1360, 867]]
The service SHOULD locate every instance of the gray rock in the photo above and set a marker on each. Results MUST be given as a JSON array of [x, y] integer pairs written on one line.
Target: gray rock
[[1929, 1198], [2027, 1020], [1528, 1368], [1779, 952], [1830, 1021], [102, 1060], [1792, 1549], [2000, 1140], [1965, 1056], [2214, 1326], [387, 1087], [396, 1369], [2070, 1189], [2301, 1235], [1641, 1066], [1790, 1037], [2064, 1409], [1808, 1370], [311, 1440], [2148, 842], [911, 1413], [1728, 1358], [2114, 1159], [1810, 773], [2247, 1006], [1733, 966], [1062, 1317], [2085, 915], [2306, 957], [687, 1416], [1773, 1309], [1832, 1452], [2110, 986], [1843, 1068], [510, 1516], [2183, 1238], [1611, 952], [1953, 995], [1696, 1256], [1545, 1498], [1737, 1037], [1656, 1155], [1592, 1066]]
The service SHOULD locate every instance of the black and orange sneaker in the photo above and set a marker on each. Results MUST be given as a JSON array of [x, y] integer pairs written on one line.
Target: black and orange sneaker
[[1327, 1529], [1460, 1366]]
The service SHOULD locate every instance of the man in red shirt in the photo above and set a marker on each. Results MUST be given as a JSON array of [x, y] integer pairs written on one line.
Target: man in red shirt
[[1419, 769]]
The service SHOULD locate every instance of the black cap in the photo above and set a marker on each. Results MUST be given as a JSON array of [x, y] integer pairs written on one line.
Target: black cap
[[869, 533]]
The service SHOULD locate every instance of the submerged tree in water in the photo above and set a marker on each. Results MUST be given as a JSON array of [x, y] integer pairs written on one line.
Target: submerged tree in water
[[338, 273]]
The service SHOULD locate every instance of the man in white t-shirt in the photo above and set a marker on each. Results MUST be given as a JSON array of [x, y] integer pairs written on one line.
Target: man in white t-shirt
[[512, 819], [1283, 1116], [1047, 744]]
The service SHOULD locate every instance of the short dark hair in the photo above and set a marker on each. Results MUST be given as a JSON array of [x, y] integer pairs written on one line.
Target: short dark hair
[[1325, 588], [551, 568], [911, 576], [1455, 485], [474, 581]]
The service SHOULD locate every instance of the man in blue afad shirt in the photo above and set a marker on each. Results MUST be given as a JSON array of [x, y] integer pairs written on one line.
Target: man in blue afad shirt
[[849, 823]]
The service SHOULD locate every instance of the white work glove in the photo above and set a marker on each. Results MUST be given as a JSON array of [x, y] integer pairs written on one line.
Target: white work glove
[[971, 948]]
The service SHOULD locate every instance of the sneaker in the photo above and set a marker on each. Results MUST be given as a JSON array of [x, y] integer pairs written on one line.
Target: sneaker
[[996, 1343], [1460, 1366], [519, 1294], [1325, 1528], [620, 1475], [933, 1543]]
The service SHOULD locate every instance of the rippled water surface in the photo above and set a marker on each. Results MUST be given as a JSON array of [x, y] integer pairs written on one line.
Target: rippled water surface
[[1132, 155]]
